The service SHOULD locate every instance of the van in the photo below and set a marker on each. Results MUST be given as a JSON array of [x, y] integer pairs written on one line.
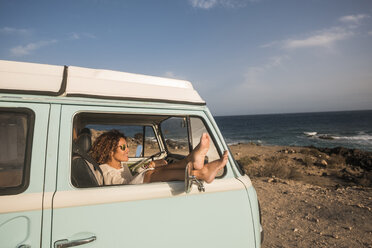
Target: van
[[52, 193]]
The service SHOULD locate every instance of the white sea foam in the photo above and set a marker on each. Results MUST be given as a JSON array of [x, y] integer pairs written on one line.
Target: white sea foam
[[363, 137], [310, 134]]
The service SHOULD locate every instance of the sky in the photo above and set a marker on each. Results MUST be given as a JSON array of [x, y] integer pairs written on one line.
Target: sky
[[242, 56]]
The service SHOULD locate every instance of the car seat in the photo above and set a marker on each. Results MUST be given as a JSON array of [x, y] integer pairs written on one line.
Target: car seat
[[85, 171]]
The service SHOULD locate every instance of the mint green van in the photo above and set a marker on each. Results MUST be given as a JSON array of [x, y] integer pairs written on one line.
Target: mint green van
[[52, 194]]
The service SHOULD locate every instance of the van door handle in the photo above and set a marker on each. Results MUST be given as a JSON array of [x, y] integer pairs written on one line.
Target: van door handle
[[63, 243]]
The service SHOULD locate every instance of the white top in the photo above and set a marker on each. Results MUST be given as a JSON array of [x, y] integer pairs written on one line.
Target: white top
[[121, 176], [78, 81]]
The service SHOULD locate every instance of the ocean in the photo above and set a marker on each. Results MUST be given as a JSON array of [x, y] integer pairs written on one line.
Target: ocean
[[351, 129]]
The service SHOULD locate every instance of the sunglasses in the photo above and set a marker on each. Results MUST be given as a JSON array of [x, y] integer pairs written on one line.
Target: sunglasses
[[124, 147]]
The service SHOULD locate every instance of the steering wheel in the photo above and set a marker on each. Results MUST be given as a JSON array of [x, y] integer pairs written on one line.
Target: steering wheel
[[144, 160]]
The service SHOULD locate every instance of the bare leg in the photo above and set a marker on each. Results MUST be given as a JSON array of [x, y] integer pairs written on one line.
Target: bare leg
[[207, 173], [197, 156], [164, 174]]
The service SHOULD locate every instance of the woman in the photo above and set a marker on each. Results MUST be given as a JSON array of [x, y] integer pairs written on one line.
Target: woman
[[111, 148]]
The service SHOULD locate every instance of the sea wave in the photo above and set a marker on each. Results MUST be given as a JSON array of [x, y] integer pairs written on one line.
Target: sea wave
[[362, 137], [310, 134], [242, 141]]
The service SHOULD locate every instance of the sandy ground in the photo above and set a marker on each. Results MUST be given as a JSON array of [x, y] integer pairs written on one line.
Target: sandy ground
[[308, 198]]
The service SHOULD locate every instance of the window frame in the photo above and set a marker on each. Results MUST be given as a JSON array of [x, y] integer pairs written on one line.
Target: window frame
[[28, 150], [213, 138], [162, 136]]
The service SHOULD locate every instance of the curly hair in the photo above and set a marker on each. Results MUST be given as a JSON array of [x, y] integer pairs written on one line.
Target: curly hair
[[104, 145]]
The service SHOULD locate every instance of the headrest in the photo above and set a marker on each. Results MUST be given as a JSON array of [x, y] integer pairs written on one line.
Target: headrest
[[84, 142]]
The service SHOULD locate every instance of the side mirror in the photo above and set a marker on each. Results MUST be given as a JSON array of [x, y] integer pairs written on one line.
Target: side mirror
[[138, 151], [190, 180]]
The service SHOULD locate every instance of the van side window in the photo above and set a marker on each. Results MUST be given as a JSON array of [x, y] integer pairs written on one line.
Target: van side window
[[138, 146], [197, 127], [175, 134], [148, 138], [16, 127]]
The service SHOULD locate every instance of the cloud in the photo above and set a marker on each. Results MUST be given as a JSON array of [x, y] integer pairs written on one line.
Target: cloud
[[319, 39], [353, 19], [203, 4], [253, 73], [323, 38], [170, 74], [8, 30], [78, 36], [27, 49], [208, 4], [370, 33]]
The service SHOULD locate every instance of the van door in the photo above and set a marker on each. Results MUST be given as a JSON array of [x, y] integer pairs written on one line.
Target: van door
[[23, 134], [147, 215]]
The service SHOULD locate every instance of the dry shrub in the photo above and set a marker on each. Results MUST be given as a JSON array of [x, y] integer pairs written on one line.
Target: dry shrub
[[311, 151], [277, 166], [366, 180], [336, 161], [279, 171], [308, 160], [252, 171], [244, 161], [256, 158]]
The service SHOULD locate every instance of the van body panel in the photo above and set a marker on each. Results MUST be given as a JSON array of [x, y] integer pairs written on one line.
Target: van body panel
[[50, 173], [254, 208], [177, 221], [153, 210], [21, 214]]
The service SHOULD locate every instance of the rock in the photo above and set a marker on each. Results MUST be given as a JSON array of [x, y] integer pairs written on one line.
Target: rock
[[270, 180], [295, 230], [353, 157], [324, 163]]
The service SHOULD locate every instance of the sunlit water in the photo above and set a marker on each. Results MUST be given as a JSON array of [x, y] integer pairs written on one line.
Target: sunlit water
[[351, 129]]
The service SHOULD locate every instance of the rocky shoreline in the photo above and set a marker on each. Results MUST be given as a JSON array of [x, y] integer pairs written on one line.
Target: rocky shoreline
[[338, 165], [311, 197]]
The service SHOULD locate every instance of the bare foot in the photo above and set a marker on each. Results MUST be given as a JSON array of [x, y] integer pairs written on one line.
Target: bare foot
[[197, 156], [209, 171]]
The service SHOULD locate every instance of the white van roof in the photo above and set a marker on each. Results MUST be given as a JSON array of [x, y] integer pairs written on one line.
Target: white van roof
[[31, 78]]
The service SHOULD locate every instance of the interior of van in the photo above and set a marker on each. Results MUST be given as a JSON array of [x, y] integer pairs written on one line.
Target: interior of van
[[149, 137]]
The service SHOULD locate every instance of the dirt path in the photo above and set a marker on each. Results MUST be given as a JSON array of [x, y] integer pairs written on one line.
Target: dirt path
[[297, 214]]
